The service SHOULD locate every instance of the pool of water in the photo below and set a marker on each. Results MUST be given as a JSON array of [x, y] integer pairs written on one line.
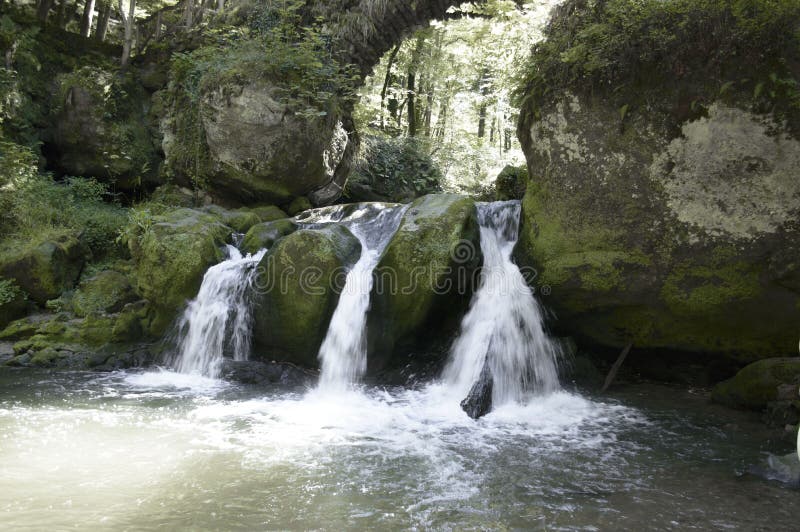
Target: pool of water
[[157, 450]]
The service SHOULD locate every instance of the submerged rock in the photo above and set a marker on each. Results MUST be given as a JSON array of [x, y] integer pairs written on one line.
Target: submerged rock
[[478, 402], [297, 289], [266, 373]]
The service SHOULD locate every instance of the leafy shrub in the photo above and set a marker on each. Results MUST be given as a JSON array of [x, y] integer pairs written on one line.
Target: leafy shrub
[[9, 291], [398, 169], [35, 207], [607, 45]]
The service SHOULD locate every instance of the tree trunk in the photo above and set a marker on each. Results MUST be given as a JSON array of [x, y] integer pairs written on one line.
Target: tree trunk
[[188, 13], [483, 88], [412, 111], [61, 15], [429, 111], [86, 19], [128, 21], [386, 81], [43, 9], [103, 14], [220, 5], [157, 29]]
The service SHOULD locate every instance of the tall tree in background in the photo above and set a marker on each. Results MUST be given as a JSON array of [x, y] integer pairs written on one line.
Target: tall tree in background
[[103, 15], [87, 17], [129, 22]]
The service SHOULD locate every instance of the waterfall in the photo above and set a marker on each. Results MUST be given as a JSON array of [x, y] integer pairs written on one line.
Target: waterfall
[[218, 317], [343, 354], [503, 329]]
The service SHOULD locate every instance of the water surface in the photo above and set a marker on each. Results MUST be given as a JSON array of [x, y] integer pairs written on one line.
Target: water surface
[[157, 450]]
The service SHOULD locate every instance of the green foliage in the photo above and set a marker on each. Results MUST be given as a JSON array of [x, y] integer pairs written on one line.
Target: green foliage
[[35, 207], [610, 44], [395, 167], [9, 291]]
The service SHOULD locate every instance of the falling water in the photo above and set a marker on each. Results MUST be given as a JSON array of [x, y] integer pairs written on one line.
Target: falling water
[[504, 325], [343, 353], [218, 317]]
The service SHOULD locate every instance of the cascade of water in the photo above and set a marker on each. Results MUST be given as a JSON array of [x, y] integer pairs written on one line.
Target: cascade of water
[[343, 353], [218, 317], [504, 325]]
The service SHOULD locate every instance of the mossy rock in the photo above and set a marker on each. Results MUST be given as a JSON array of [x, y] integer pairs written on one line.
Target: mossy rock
[[46, 270], [298, 288], [171, 257], [268, 213], [240, 220], [662, 209], [298, 205], [758, 384], [106, 292], [423, 282], [100, 128], [265, 235]]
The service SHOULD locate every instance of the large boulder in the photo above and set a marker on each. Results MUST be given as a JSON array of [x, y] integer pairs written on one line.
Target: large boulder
[[298, 287], [254, 148], [171, 256], [662, 209], [424, 280], [46, 270], [107, 292], [760, 383], [100, 129]]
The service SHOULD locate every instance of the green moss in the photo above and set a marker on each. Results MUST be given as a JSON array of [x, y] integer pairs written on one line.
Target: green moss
[[757, 384], [436, 244], [298, 280], [268, 213], [172, 253], [108, 291], [298, 205], [700, 289]]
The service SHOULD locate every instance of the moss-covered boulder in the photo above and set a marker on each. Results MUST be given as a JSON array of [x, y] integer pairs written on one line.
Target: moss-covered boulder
[[264, 235], [298, 287], [760, 383], [107, 292], [662, 206], [171, 254], [423, 282], [298, 205], [268, 213], [100, 128], [240, 220], [249, 146], [46, 270]]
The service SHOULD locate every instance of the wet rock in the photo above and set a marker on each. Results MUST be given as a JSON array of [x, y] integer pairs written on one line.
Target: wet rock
[[478, 402], [298, 287], [267, 373], [265, 235], [424, 280]]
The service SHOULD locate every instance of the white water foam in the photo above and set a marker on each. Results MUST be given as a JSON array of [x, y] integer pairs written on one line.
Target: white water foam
[[343, 354], [219, 317], [504, 325]]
